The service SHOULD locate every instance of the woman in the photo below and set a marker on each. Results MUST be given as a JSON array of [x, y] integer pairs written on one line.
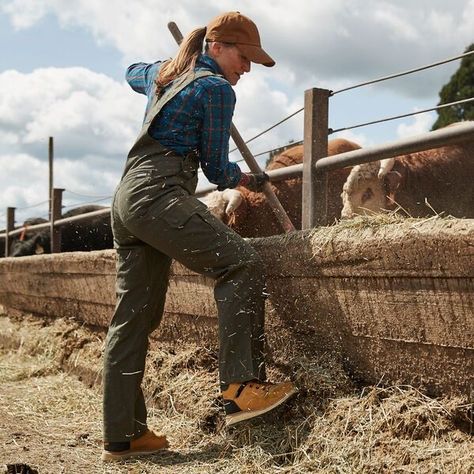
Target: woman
[[156, 219]]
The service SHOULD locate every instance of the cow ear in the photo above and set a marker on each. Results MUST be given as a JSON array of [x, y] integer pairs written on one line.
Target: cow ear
[[239, 214], [233, 199], [385, 167]]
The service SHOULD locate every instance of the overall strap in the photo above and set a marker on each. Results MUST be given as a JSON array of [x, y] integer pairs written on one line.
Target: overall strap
[[145, 145], [175, 88]]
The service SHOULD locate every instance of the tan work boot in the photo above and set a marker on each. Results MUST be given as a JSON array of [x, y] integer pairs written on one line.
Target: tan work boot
[[246, 400], [147, 443]]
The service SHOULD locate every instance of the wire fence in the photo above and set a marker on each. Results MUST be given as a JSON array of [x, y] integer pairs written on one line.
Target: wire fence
[[24, 208], [96, 198], [268, 129], [366, 83], [85, 203], [38, 204], [395, 117], [356, 86], [404, 73]]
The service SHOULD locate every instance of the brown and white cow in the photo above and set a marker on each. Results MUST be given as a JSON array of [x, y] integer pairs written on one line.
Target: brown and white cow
[[249, 214], [435, 181]]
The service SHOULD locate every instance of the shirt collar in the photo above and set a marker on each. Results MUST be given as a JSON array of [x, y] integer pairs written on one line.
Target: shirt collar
[[206, 62]]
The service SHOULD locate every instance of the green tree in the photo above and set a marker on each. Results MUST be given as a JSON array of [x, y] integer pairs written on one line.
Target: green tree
[[459, 87]]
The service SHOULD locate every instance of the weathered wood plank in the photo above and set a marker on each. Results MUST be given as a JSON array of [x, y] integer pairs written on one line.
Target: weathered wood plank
[[394, 301]]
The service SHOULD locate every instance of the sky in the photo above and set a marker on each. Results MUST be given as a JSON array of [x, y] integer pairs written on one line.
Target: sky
[[62, 67]]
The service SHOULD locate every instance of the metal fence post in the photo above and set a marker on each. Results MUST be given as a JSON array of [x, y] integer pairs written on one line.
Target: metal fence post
[[51, 178], [56, 207], [10, 227], [315, 146]]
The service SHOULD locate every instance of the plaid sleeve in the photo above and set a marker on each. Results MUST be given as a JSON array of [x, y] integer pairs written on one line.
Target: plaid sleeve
[[217, 120], [141, 76]]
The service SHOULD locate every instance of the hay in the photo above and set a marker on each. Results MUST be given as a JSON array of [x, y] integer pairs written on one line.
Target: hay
[[362, 227], [394, 429], [358, 229], [52, 421]]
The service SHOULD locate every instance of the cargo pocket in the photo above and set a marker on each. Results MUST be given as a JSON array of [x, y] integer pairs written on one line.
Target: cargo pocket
[[180, 210], [212, 221]]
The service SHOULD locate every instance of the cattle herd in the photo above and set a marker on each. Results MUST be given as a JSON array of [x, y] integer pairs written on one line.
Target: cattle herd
[[437, 181], [91, 234]]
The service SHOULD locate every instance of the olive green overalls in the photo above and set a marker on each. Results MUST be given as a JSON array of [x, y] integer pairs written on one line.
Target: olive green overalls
[[155, 218]]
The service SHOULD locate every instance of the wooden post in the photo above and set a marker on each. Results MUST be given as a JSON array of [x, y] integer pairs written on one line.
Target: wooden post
[[50, 186], [10, 227], [316, 106], [56, 206]]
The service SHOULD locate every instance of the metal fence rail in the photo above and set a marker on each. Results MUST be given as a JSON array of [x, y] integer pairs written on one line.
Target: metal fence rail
[[448, 136], [59, 222]]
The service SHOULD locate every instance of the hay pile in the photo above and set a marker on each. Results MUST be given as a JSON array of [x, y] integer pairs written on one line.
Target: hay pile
[[331, 426]]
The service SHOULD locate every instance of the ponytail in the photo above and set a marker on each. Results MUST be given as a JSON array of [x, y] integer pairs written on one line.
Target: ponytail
[[185, 61]]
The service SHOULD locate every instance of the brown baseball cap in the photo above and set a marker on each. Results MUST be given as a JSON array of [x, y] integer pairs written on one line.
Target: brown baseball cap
[[235, 28]]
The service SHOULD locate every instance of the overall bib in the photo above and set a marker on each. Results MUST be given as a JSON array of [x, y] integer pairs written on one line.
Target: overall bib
[[156, 218]]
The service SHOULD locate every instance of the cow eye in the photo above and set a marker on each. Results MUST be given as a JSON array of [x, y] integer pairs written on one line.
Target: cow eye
[[368, 193]]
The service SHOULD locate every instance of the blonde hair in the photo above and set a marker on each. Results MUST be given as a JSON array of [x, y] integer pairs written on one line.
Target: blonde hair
[[185, 60]]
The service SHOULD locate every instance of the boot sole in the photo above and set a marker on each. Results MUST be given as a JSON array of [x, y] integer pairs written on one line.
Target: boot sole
[[247, 415], [108, 456]]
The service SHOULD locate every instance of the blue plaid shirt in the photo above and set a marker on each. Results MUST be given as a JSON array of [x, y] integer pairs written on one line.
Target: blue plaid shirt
[[197, 119]]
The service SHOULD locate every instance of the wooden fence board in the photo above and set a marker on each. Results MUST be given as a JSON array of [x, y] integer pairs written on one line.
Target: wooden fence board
[[394, 301]]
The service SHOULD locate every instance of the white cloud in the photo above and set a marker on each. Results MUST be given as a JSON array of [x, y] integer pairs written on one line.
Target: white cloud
[[319, 41], [466, 26], [8, 138], [259, 106], [420, 123], [93, 119], [24, 13], [392, 20], [24, 184], [90, 112]]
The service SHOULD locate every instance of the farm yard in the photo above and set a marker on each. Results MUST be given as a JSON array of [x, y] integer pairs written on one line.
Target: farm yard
[[357, 248], [385, 395], [371, 318], [51, 411]]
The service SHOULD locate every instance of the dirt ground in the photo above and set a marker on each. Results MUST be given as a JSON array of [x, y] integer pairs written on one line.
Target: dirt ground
[[50, 412]]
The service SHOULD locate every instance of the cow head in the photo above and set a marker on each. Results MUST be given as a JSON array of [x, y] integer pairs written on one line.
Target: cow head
[[370, 188], [30, 241], [36, 244]]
